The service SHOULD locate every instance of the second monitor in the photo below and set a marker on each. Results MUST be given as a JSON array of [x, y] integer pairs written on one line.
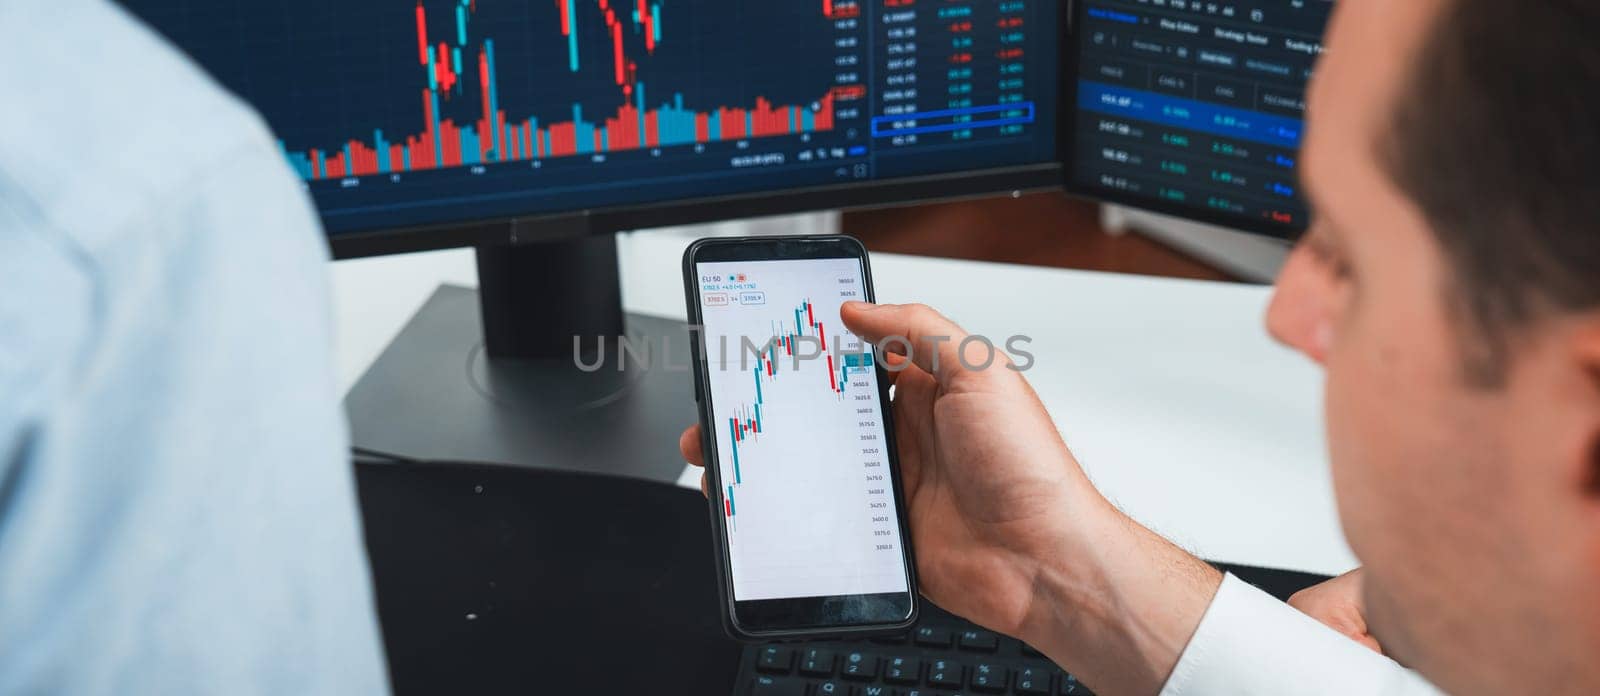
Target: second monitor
[[1195, 108]]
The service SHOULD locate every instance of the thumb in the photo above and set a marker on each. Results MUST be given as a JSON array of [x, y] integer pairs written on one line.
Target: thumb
[[930, 340]]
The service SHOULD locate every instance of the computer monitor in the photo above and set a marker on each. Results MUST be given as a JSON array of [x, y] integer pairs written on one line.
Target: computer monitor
[[1195, 108], [446, 123], [534, 129]]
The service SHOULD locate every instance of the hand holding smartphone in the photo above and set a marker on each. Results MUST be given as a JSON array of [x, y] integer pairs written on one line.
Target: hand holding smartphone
[[803, 481]]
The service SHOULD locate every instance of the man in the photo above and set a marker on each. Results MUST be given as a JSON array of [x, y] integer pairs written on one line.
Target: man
[[177, 511], [1451, 289]]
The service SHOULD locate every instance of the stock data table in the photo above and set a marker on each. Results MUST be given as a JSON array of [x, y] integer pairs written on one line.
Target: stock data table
[[1198, 104]]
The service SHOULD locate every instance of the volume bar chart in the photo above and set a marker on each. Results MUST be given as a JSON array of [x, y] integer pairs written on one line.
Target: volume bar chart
[[449, 68]]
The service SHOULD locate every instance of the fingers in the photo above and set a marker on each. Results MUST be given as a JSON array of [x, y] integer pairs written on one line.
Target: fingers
[[932, 342], [1370, 642], [894, 365], [1338, 604], [689, 445]]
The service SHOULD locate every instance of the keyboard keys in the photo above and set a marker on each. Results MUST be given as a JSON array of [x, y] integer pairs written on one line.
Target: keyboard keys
[[990, 678], [932, 637], [902, 670], [975, 662], [1071, 687], [777, 686], [816, 662], [944, 673], [981, 641], [860, 666], [1031, 681], [775, 659]]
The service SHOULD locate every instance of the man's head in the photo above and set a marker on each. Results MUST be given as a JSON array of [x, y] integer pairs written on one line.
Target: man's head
[[1451, 287]]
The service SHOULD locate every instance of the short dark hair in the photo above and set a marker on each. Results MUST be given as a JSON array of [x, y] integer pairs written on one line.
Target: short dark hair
[[1497, 140]]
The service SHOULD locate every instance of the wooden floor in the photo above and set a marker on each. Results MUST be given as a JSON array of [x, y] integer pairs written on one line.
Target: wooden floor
[[1045, 229]]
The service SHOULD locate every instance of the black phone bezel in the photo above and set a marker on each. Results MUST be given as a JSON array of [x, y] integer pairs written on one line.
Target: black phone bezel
[[760, 620]]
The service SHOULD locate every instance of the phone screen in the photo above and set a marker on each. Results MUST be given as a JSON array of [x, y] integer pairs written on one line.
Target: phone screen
[[798, 427]]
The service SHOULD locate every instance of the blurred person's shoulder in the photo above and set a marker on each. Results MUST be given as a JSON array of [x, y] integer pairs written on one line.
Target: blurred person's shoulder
[[107, 125]]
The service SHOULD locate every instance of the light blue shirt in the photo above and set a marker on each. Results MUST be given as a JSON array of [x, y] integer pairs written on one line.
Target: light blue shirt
[[177, 510]]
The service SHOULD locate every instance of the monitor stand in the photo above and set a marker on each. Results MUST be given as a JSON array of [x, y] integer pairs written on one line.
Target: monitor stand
[[490, 375]]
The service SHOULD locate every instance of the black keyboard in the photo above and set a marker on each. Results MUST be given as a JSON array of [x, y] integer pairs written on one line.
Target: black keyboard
[[943, 655]]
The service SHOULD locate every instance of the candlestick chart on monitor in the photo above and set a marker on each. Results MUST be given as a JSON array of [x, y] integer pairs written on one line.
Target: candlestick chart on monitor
[[412, 113], [457, 61], [372, 96]]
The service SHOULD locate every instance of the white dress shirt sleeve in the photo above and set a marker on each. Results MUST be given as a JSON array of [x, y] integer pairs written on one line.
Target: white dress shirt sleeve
[[1251, 644]]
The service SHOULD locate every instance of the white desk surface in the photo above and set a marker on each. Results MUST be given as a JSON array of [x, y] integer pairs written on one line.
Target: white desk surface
[[1169, 391]]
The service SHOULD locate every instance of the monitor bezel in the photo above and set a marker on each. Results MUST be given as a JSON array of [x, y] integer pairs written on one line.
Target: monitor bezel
[[1048, 174], [1070, 60], [560, 226]]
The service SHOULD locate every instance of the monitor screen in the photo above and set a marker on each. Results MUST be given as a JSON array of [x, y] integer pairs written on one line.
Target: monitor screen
[[399, 113], [1196, 108]]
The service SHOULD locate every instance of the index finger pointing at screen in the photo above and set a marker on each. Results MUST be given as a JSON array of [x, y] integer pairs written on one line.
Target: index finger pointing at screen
[[932, 342]]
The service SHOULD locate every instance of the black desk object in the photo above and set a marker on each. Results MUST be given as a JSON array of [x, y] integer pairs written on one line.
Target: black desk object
[[499, 580], [436, 394]]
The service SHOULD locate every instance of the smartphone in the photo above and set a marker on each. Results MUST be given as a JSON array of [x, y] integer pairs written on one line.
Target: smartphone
[[803, 480]]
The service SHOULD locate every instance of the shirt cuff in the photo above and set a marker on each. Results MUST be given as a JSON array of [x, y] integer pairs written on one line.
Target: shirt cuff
[[1249, 643]]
